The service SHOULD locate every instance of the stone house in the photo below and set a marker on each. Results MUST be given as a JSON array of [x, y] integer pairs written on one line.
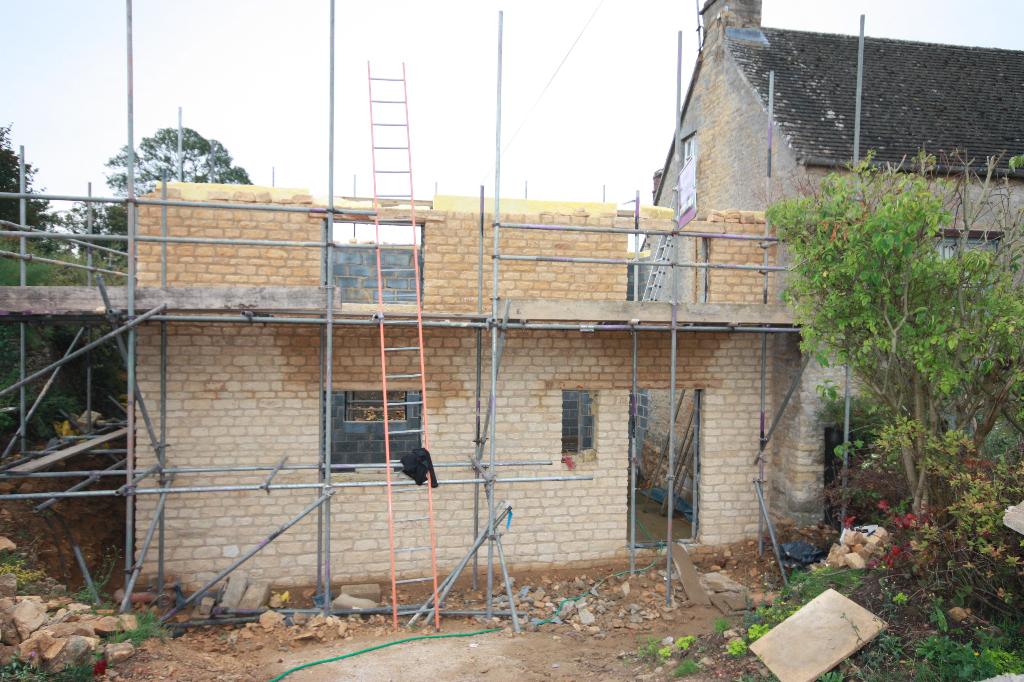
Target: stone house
[[940, 98], [245, 392]]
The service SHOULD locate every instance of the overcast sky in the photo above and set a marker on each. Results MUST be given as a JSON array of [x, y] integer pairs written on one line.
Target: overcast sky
[[254, 75]]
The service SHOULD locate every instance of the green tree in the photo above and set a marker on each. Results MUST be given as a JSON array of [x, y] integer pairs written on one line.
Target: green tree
[[157, 157], [915, 281], [37, 212]]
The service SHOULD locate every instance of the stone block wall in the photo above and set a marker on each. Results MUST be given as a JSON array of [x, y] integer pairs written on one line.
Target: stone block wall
[[450, 254], [247, 394], [231, 264]]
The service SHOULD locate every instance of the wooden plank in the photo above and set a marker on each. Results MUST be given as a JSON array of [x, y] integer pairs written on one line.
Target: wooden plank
[[309, 299], [812, 641], [54, 457], [542, 310], [1014, 518], [688, 576]]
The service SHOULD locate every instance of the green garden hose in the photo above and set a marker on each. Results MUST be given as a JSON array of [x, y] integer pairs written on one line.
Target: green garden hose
[[297, 668]]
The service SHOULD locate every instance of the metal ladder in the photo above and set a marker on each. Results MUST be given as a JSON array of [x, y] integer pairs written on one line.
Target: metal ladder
[[656, 277], [389, 110]]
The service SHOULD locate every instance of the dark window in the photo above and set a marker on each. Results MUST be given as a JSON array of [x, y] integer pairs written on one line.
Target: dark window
[[577, 421], [358, 425]]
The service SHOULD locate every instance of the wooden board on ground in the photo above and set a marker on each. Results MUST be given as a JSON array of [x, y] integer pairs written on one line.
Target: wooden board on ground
[[81, 446], [812, 641], [688, 576]]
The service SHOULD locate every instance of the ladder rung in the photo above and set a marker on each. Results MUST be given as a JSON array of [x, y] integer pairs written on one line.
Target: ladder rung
[[404, 431], [390, 172], [406, 581], [391, 125], [412, 518], [393, 196], [398, 269], [390, 147], [412, 549], [395, 349], [395, 80], [418, 402], [387, 101], [417, 375]]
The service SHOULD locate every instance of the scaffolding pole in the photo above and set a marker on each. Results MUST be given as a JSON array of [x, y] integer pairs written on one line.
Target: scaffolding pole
[[847, 389], [492, 398], [762, 442], [328, 375], [129, 533], [674, 301]]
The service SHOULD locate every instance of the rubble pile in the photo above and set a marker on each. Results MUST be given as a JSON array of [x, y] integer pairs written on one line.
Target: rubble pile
[[858, 546], [58, 634]]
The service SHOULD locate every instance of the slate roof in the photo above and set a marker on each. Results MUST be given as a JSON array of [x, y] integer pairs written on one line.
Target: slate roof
[[939, 97]]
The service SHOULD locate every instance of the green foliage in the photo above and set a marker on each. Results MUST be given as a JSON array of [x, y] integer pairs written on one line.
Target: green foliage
[[806, 585], [929, 321], [757, 631], [684, 643], [22, 671], [973, 553], [721, 625], [203, 161], [942, 658], [686, 668], [149, 626], [900, 598], [736, 647], [16, 565], [831, 676]]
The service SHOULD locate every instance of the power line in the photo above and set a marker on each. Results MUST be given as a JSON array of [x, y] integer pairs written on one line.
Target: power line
[[550, 81]]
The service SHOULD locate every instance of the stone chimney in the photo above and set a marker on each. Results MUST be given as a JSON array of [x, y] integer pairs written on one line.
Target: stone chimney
[[721, 14], [657, 181]]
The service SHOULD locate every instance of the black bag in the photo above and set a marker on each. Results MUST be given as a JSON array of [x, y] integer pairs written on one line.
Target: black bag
[[417, 465]]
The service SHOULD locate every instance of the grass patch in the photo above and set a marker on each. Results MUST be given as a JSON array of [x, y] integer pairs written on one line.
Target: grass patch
[[149, 626], [685, 668], [721, 625]]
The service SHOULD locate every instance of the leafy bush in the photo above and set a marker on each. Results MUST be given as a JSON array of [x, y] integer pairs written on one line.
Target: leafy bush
[[942, 658], [736, 647], [21, 671], [972, 556]]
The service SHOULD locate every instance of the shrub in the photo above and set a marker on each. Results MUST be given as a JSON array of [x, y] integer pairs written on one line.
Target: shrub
[[685, 668], [736, 647]]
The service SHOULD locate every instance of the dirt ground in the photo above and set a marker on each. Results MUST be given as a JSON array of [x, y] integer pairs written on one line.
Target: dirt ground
[[628, 612]]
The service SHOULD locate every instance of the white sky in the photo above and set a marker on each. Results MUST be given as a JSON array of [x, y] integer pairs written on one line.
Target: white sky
[[254, 75]]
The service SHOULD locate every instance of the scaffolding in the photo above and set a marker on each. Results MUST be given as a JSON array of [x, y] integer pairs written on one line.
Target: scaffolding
[[497, 323]]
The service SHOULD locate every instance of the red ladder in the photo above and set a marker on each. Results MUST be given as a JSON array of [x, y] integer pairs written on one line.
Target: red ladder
[[394, 104]]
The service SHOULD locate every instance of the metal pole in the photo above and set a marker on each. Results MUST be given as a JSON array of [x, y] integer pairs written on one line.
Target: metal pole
[[762, 442], [329, 329], [860, 89], [129, 531], [146, 542], [846, 386], [22, 281], [88, 333], [248, 555], [633, 456], [181, 158], [669, 483], [162, 452], [493, 397], [478, 451]]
